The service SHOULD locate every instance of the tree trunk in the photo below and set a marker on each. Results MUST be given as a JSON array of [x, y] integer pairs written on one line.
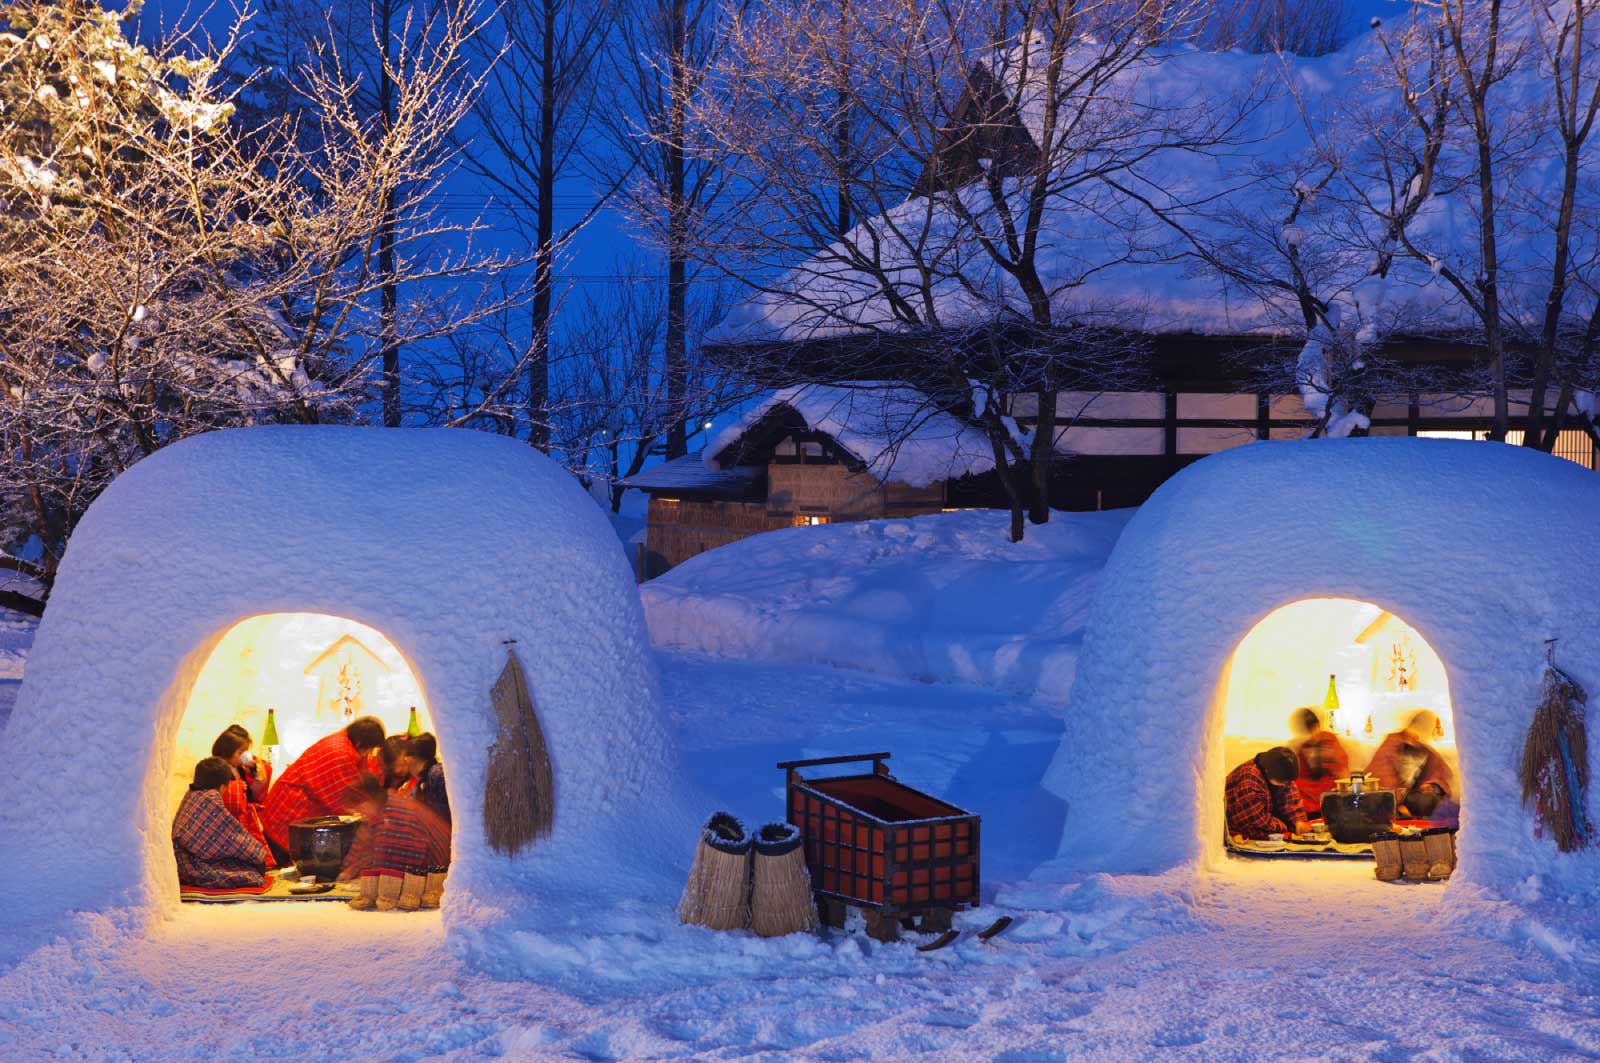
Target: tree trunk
[[1043, 456], [677, 376], [389, 342], [543, 266]]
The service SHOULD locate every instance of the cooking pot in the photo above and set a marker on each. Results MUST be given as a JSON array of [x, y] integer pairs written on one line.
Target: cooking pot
[[1354, 818], [318, 845]]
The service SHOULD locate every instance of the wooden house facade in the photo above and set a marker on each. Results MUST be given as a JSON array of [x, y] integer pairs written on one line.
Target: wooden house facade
[[778, 472]]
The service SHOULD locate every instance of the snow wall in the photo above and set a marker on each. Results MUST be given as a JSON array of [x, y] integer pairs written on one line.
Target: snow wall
[[1486, 549], [447, 542]]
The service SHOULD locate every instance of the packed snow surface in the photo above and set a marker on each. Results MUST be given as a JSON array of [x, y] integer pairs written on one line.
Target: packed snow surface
[[1256, 961], [942, 598]]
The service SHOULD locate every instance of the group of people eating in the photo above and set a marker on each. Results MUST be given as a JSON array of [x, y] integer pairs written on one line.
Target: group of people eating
[[1279, 791], [232, 825]]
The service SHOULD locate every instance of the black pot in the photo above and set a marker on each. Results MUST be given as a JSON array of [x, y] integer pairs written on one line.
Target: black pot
[[1354, 818], [318, 845]]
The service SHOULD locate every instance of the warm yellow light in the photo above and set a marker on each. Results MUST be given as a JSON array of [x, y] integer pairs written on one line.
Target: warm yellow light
[[1284, 663], [308, 667]]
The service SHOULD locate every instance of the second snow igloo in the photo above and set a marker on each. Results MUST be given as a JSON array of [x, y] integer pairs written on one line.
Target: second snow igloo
[[316, 569], [1480, 551]]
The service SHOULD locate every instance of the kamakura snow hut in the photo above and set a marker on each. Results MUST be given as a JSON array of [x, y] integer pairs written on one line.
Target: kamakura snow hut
[[1480, 549], [438, 551]]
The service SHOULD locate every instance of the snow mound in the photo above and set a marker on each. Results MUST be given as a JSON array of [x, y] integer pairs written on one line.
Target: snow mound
[[941, 598], [1482, 547], [350, 522]]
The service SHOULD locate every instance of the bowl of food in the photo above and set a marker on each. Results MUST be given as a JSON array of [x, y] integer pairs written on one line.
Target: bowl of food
[[318, 845]]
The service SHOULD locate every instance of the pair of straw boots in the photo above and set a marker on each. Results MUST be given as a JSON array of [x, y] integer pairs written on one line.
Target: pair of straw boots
[[1429, 856], [743, 881], [391, 893]]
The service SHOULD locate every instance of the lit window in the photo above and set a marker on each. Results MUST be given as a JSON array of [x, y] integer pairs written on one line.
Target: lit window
[[805, 521]]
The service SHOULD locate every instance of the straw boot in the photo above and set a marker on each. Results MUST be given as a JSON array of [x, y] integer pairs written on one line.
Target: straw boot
[[780, 899], [411, 892], [718, 892], [368, 899], [1441, 847], [1386, 855], [1414, 856], [388, 892], [433, 892]]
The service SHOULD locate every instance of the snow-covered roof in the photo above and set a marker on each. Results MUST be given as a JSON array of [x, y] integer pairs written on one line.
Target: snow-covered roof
[[897, 432], [1434, 531], [1108, 259], [692, 473], [453, 545]]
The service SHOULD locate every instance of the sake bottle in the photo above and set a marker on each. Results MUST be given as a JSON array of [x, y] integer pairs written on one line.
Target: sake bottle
[[269, 737], [413, 728], [1331, 705]]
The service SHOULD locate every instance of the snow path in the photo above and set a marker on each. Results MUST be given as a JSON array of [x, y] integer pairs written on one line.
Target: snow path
[[1261, 960]]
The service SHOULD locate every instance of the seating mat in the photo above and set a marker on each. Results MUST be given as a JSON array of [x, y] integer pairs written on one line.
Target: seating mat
[[276, 888], [1327, 849]]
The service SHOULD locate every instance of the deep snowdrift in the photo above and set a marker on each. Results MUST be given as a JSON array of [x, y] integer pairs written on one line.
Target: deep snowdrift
[[944, 598]]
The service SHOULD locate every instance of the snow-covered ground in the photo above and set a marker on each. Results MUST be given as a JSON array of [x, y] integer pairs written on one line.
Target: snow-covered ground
[[944, 598], [1256, 961], [1252, 960]]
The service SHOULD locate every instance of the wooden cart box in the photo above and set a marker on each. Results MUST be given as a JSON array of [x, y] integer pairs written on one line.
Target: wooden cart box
[[874, 842]]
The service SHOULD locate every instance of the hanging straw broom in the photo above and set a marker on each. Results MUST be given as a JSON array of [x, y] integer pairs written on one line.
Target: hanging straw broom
[[519, 787], [1555, 759], [781, 902], [718, 891]]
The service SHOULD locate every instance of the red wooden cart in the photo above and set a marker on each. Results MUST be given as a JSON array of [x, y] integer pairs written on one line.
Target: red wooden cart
[[874, 842]]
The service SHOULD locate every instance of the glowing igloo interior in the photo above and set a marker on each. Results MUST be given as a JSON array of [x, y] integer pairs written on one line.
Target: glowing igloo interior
[[315, 671], [1382, 667]]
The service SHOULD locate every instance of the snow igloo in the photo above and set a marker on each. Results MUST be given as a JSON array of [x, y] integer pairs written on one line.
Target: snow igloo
[[1256, 573], [327, 572]]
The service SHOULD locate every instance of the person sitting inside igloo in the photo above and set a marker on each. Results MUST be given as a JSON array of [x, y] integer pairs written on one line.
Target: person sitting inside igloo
[[1322, 759], [234, 745], [410, 851], [427, 774], [1422, 781], [322, 782], [212, 848], [243, 794], [1260, 798], [393, 762]]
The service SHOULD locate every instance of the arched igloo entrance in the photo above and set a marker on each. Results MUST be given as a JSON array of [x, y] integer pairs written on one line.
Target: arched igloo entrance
[[1364, 670], [310, 674]]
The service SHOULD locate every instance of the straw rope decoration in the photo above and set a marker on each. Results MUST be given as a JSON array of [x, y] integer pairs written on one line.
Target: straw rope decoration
[[718, 891], [1555, 759], [781, 901], [519, 787]]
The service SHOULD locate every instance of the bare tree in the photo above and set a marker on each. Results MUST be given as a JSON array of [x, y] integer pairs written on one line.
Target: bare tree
[[667, 172], [542, 60], [611, 408], [1300, 27], [977, 132]]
